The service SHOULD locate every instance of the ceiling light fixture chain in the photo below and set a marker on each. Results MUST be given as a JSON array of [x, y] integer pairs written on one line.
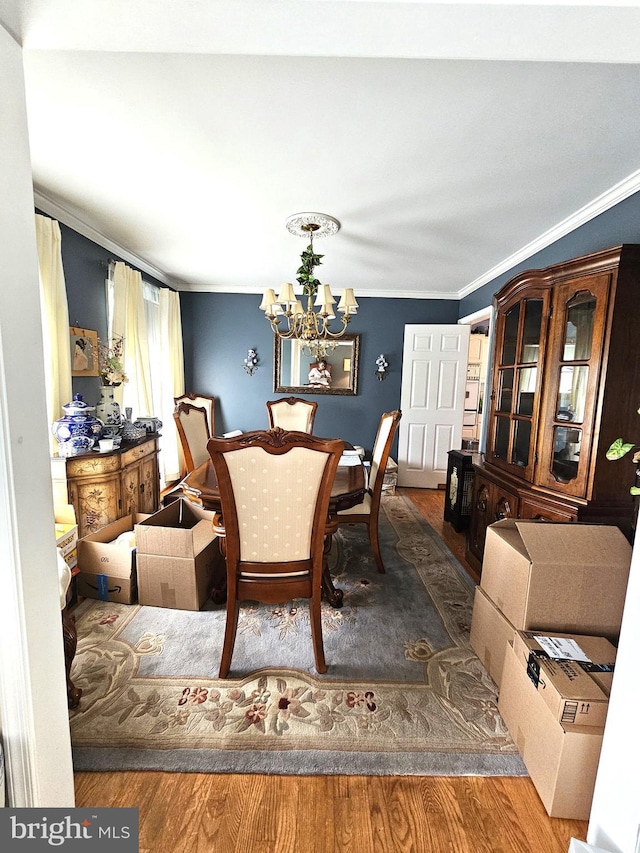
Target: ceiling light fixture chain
[[310, 327]]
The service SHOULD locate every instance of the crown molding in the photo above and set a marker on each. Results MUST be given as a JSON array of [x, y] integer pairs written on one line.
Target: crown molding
[[476, 317], [364, 293], [617, 193], [56, 210]]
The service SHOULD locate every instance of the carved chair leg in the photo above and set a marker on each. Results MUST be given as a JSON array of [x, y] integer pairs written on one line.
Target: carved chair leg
[[231, 628], [375, 543], [70, 638], [316, 631]]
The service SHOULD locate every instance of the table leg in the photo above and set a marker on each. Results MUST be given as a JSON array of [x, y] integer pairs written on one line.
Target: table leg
[[333, 595]]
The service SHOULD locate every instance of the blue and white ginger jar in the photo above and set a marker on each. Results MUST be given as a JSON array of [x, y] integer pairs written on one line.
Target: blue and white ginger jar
[[78, 426]]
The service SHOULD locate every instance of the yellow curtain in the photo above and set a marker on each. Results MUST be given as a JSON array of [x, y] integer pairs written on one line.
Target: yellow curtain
[[55, 319], [172, 368]]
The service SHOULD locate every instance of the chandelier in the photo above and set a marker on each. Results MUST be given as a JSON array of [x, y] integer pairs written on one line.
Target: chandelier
[[288, 317]]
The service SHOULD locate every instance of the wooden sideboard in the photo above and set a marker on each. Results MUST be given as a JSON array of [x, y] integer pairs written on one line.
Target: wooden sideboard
[[103, 487]]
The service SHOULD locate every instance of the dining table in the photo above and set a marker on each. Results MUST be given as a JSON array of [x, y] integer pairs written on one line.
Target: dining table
[[348, 489]]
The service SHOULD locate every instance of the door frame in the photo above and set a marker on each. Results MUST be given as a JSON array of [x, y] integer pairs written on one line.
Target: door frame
[[470, 320]]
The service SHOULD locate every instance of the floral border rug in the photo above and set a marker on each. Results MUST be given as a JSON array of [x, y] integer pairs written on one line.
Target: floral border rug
[[404, 693]]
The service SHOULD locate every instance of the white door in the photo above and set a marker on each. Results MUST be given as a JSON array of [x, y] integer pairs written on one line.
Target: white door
[[434, 374]]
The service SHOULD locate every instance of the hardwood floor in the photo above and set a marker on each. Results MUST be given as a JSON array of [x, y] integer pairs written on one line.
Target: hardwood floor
[[193, 812]]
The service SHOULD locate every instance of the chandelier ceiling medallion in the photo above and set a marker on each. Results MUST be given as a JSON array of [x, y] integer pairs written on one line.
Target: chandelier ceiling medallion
[[286, 313]]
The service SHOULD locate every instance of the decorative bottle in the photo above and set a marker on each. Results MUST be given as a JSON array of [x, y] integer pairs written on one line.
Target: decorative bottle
[[108, 409]]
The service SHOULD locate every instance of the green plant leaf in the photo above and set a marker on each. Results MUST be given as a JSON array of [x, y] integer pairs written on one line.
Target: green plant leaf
[[618, 449]]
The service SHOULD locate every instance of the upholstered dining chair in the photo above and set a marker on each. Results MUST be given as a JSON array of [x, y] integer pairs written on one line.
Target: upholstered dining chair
[[275, 487], [292, 413], [202, 401], [368, 511], [192, 424]]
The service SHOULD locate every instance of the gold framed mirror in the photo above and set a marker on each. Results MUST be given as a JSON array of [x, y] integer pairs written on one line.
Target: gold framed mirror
[[295, 372]]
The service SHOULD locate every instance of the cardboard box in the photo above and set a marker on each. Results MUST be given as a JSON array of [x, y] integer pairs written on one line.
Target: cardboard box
[[390, 479], [106, 568], [181, 529], [557, 577], [562, 760], [575, 692], [491, 633], [182, 583]]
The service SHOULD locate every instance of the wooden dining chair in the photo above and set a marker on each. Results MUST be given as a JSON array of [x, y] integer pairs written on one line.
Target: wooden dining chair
[[275, 487], [292, 413], [192, 424], [202, 401], [368, 511]]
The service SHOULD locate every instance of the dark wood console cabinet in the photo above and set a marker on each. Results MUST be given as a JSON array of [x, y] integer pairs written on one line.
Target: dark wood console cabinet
[[565, 384]]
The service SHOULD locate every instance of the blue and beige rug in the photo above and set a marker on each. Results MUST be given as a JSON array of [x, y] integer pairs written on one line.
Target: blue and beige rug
[[404, 693]]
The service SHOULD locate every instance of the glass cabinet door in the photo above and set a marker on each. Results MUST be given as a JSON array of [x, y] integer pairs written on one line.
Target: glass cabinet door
[[574, 356], [520, 331]]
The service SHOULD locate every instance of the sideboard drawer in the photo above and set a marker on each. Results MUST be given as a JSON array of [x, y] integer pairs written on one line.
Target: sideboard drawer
[[138, 452]]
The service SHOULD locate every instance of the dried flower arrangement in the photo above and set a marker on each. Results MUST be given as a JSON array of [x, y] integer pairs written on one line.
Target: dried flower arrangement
[[110, 361]]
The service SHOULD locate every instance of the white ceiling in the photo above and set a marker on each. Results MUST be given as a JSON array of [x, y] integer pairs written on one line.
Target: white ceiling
[[451, 140]]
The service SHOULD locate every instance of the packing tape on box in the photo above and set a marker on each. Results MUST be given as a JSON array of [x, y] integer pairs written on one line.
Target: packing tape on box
[[102, 587]]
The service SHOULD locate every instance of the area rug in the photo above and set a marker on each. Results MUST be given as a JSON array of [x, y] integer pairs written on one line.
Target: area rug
[[404, 693]]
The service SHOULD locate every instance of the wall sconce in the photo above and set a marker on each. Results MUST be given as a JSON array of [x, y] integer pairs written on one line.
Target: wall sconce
[[250, 363], [382, 365]]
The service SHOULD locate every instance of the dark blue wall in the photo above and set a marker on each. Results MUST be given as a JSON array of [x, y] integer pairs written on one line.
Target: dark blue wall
[[219, 328], [85, 267], [619, 224]]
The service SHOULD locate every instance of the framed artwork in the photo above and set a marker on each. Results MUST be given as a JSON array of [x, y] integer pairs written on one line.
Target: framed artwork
[[84, 351]]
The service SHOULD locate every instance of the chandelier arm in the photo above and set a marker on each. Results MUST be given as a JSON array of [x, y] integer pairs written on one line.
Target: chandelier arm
[[338, 334], [287, 333]]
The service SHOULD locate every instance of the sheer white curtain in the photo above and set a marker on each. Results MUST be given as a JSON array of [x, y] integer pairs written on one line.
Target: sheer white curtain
[[55, 319], [149, 317], [129, 322]]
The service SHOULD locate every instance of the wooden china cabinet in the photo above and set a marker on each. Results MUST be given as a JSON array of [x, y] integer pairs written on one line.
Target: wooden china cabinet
[[565, 384], [103, 487]]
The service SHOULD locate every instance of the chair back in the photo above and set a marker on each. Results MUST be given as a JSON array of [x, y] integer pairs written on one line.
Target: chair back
[[292, 413], [192, 424], [203, 402], [275, 487], [380, 456]]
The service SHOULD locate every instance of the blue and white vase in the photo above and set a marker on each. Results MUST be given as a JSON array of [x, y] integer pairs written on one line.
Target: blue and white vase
[[108, 409], [77, 429]]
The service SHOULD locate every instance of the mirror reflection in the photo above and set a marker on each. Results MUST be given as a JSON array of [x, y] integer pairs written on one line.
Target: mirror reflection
[[579, 327], [566, 453], [296, 371], [572, 393]]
